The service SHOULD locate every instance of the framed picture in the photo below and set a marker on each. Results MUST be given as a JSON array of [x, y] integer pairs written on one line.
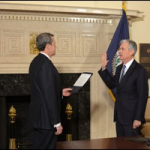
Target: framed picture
[[145, 56]]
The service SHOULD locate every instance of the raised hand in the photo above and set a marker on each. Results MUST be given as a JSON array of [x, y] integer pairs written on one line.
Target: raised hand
[[104, 61]]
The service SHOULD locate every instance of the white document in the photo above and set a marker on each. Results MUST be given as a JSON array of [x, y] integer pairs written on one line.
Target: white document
[[82, 79]]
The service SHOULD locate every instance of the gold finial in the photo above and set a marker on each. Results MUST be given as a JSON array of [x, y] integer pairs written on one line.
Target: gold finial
[[12, 110], [12, 114], [124, 5], [69, 107], [69, 111]]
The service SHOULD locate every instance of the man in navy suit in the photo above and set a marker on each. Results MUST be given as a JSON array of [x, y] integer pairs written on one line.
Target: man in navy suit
[[131, 83], [46, 94]]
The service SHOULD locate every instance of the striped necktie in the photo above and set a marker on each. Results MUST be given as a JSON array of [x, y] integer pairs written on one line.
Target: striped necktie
[[123, 72]]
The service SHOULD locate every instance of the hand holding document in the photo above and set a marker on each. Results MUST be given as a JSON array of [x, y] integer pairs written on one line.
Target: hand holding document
[[83, 78]]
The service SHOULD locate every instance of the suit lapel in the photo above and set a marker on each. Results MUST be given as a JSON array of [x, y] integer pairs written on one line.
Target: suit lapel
[[127, 75]]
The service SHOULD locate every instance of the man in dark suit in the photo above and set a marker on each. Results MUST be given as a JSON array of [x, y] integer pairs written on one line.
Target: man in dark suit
[[131, 83], [46, 94]]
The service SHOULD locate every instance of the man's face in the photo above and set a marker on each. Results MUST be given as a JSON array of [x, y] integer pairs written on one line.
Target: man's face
[[53, 47], [125, 54]]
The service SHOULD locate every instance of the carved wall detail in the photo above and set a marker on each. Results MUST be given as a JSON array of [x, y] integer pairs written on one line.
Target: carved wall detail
[[73, 39], [91, 44], [51, 17], [65, 44], [13, 43]]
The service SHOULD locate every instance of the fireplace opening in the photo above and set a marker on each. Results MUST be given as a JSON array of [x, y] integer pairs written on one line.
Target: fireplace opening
[[15, 90]]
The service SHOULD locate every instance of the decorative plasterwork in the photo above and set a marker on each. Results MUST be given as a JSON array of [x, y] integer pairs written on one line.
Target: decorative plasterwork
[[105, 12], [52, 17]]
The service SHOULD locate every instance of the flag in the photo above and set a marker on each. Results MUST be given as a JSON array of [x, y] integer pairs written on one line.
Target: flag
[[122, 32]]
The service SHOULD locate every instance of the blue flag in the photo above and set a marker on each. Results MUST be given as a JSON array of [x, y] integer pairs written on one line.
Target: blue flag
[[122, 32]]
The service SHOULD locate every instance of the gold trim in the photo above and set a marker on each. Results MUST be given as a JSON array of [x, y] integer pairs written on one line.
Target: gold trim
[[68, 137], [33, 47], [111, 94], [12, 143], [68, 111]]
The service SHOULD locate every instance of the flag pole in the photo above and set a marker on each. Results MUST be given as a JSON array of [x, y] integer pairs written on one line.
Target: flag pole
[[110, 92]]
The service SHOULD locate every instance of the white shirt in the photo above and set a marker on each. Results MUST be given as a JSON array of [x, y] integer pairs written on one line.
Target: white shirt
[[45, 55], [128, 64]]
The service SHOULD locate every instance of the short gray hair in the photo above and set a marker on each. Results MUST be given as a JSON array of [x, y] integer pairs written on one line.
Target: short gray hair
[[132, 45], [42, 39]]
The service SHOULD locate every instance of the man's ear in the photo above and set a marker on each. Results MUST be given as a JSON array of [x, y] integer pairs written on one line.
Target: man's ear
[[47, 46], [132, 52]]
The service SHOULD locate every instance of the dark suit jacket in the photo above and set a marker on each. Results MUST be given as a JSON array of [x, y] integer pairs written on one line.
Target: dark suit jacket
[[131, 93], [46, 93]]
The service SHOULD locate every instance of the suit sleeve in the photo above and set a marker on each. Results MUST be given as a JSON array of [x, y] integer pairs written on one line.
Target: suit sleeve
[[142, 91], [107, 78]]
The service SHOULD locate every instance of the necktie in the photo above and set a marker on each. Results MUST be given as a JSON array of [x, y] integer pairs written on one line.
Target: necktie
[[123, 71]]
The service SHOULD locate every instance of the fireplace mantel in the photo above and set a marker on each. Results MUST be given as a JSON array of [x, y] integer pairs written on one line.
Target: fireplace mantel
[[109, 13], [81, 32]]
